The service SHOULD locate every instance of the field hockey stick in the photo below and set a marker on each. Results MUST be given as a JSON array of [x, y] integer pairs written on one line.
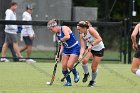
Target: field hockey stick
[[55, 66], [79, 61]]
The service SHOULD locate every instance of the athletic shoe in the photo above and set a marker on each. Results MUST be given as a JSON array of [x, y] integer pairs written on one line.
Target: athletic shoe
[[67, 84], [4, 60], [91, 83], [22, 60], [30, 61], [76, 77], [86, 76]]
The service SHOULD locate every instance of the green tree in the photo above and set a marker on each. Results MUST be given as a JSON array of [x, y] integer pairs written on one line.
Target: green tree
[[106, 10]]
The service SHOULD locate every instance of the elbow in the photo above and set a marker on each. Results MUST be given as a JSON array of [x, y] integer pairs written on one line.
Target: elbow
[[133, 36], [99, 40]]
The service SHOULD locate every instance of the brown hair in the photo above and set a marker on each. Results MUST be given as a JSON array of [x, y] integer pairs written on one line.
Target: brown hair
[[89, 24], [13, 3], [83, 24]]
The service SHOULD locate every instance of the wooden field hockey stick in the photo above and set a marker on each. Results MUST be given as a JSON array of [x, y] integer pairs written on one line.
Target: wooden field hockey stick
[[55, 66]]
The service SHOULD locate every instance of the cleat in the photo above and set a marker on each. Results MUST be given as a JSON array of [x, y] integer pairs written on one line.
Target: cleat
[[86, 76], [67, 84], [22, 60], [76, 77], [4, 60], [91, 84], [30, 61]]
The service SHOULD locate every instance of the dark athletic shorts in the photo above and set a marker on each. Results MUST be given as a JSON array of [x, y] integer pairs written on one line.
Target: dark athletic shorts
[[27, 40], [137, 52], [97, 53]]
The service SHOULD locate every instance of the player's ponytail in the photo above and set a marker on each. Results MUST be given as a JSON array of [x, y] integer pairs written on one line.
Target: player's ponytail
[[89, 24]]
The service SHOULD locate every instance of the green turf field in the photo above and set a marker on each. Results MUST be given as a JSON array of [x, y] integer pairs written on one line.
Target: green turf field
[[27, 78]]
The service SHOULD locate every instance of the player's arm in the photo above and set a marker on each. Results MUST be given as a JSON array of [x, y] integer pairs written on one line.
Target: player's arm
[[59, 44], [95, 34], [65, 30], [60, 49], [133, 36], [82, 43]]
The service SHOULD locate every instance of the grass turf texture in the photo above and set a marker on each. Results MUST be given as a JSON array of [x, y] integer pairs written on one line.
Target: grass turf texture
[[27, 78]]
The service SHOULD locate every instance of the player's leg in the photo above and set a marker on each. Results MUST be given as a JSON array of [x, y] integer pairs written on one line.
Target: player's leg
[[97, 56], [24, 48], [28, 42], [29, 51], [10, 46], [13, 40], [136, 63], [85, 66], [4, 48], [65, 70], [16, 48], [135, 66], [96, 60], [72, 59]]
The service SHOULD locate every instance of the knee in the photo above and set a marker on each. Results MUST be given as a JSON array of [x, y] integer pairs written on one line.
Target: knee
[[69, 66], [64, 67], [29, 47], [84, 61], [26, 46], [94, 69], [5, 46]]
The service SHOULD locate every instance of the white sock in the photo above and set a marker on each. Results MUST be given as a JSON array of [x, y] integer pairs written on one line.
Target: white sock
[[138, 72], [85, 68], [94, 75]]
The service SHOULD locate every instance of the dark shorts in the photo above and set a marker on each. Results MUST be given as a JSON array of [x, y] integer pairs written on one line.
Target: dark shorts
[[27, 40], [137, 53], [10, 38], [98, 53]]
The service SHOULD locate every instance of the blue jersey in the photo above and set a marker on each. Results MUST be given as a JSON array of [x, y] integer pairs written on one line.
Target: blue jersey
[[72, 41], [71, 44]]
